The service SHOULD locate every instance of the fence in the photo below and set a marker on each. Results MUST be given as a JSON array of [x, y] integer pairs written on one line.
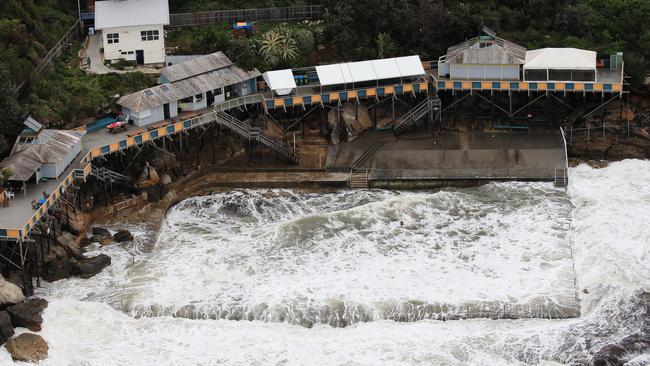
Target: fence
[[305, 12], [622, 128], [53, 54]]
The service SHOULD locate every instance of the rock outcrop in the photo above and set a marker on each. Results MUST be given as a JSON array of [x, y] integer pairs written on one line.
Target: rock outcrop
[[6, 328], [71, 244], [10, 293], [28, 313], [27, 347], [122, 236], [91, 266], [100, 231], [58, 269]]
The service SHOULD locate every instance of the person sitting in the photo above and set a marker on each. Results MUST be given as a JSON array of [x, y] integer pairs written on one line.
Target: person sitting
[[34, 205], [45, 195]]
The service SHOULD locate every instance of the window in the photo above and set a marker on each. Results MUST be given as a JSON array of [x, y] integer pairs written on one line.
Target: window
[[198, 98], [113, 38], [186, 100], [218, 91], [152, 35]]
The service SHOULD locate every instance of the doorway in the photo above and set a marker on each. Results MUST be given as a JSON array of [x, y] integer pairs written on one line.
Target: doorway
[[166, 111], [209, 96], [139, 57]]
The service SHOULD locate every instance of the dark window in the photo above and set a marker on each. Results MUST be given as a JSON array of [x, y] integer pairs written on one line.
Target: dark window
[[535, 75], [113, 38], [559, 75], [152, 35], [198, 98], [186, 100], [218, 91], [584, 75]]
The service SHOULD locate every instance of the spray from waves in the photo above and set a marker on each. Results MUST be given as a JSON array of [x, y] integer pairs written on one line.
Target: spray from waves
[[500, 251]]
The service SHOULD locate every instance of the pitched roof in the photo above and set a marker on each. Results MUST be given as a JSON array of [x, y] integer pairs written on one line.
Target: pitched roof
[[561, 59], [128, 13], [51, 146], [370, 70], [493, 51], [187, 79], [196, 66]]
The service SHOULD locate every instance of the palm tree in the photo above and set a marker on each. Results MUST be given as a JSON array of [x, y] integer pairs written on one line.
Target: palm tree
[[278, 46]]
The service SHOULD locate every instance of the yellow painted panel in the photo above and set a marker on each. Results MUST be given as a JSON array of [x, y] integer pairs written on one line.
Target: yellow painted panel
[[617, 87], [467, 85], [334, 96], [114, 147], [424, 86], [449, 84], [486, 85], [559, 86], [407, 88], [13, 233], [389, 90], [162, 131], [579, 86], [297, 100], [505, 85], [278, 103], [541, 86], [352, 94], [130, 141], [96, 152], [523, 86], [598, 86], [146, 137], [315, 98], [371, 92], [178, 126]]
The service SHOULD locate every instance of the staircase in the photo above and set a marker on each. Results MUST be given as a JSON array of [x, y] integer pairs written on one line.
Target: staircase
[[255, 134], [561, 177], [109, 176], [419, 111], [359, 179], [371, 151]]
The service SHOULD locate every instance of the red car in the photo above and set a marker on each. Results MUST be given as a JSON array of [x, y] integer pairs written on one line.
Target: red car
[[117, 126]]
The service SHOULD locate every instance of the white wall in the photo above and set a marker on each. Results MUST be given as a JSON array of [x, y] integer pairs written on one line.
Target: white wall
[[130, 40], [147, 117]]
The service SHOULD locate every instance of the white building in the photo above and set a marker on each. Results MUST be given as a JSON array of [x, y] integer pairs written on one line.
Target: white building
[[42, 153], [192, 85], [133, 30]]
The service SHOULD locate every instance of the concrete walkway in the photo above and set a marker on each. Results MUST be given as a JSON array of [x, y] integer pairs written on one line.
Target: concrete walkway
[[96, 57]]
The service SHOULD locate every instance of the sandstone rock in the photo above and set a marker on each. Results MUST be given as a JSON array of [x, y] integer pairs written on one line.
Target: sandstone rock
[[6, 328], [70, 243], [166, 179], [100, 231], [58, 269], [623, 151], [122, 236], [10, 293], [27, 347], [102, 240], [91, 266], [28, 313]]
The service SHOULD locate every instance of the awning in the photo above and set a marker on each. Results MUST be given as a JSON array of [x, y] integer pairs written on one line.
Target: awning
[[560, 59], [280, 81], [382, 69], [410, 66]]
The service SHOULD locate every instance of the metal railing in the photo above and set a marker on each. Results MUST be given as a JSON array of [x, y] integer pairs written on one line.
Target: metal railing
[[304, 12], [239, 102], [53, 54]]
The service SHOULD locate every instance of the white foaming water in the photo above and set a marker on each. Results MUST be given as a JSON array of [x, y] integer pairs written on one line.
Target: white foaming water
[[344, 260]]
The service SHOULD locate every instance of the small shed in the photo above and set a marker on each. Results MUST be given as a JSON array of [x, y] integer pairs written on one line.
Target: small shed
[[560, 64]]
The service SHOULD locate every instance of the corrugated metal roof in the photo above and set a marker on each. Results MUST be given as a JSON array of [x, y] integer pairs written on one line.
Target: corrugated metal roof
[[149, 98], [157, 96], [32, 124], [128, 13], [475, 51], [196, 66], [51, 146]]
